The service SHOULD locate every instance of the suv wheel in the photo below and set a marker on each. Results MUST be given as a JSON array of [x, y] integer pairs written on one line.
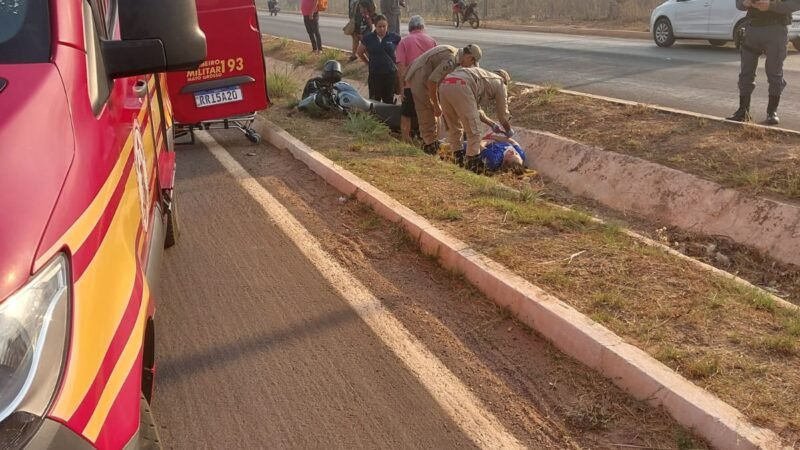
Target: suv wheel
[[662, 33]]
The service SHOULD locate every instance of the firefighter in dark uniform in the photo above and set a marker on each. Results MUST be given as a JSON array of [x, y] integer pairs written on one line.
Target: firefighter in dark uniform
[[766, 33]]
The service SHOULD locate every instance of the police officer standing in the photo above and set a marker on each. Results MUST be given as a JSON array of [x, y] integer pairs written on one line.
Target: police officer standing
[[766, 33]]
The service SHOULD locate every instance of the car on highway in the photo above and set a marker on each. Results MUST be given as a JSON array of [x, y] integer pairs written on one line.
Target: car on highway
[[718, 21], [86, 174]]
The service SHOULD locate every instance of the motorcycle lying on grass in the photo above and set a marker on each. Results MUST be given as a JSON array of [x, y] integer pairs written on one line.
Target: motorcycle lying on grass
[[329, 93], [463, 13]]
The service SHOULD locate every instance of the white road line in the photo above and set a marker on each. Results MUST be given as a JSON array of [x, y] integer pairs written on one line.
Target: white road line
[[453, 396]]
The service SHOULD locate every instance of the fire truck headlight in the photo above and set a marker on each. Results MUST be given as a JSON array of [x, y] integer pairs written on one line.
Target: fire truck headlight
[[33, 340]]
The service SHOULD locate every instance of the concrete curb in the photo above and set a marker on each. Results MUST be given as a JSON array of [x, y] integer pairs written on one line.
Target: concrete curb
[[572, 332], [555, 29], [666, 195]]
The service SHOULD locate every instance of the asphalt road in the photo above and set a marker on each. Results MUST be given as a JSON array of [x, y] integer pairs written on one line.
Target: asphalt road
[[263, 343], [257, 350], [692, 76]]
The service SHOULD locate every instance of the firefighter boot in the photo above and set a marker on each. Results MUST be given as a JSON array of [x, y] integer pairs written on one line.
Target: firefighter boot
[[458, 157], [474, 164], [431, 149], [743, 113], [772, 110]]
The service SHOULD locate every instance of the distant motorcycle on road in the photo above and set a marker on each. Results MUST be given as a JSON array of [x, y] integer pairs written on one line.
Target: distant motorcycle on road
[[274, 8], [464, 13]]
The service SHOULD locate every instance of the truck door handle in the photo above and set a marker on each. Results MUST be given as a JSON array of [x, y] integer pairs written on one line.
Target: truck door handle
[[140, 88]]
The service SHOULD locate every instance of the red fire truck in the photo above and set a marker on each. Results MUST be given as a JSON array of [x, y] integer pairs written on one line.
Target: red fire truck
[[86, 193], [230, 86]]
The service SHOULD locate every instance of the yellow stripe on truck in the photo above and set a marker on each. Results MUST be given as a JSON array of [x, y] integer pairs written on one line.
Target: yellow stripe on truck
[[121, 371], [101, 296]]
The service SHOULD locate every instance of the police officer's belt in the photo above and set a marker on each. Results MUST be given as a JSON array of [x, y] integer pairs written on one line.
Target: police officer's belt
[[454, 80], [769, 19]]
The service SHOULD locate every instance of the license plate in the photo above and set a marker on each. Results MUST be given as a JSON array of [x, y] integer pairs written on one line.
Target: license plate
[[204, 99]]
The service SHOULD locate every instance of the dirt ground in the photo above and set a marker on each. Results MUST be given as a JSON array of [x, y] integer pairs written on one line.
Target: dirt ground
[[543, 397]]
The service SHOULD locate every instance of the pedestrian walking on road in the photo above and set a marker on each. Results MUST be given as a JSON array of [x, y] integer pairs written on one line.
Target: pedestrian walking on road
[[461, 93], [364, 19], [766, 33], [377, 49], [423, 78], [353, 12], [411, 47], [310, 13], [391, 9]]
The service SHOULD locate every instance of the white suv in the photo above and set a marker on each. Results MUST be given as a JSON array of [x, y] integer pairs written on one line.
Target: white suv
[[718, 21]]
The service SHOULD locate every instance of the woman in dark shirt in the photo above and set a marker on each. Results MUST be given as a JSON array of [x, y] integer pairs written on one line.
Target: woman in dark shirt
[[377, 49]]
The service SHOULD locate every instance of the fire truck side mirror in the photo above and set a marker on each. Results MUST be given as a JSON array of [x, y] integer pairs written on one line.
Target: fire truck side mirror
[[173, 23], [129, 58]]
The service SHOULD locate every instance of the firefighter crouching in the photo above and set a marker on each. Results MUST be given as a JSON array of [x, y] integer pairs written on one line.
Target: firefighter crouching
[[766, 33], [461, 94], [423, 78]]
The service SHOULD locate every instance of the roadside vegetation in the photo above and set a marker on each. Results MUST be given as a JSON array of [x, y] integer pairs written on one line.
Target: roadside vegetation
[[734, 341], [282, 84]]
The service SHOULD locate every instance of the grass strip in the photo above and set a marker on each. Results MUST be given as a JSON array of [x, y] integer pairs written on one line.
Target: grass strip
[[731, 340]]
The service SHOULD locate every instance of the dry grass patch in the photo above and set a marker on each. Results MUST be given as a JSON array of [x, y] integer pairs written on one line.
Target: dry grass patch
[[282, 85], [300, 54], [731, 340]]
